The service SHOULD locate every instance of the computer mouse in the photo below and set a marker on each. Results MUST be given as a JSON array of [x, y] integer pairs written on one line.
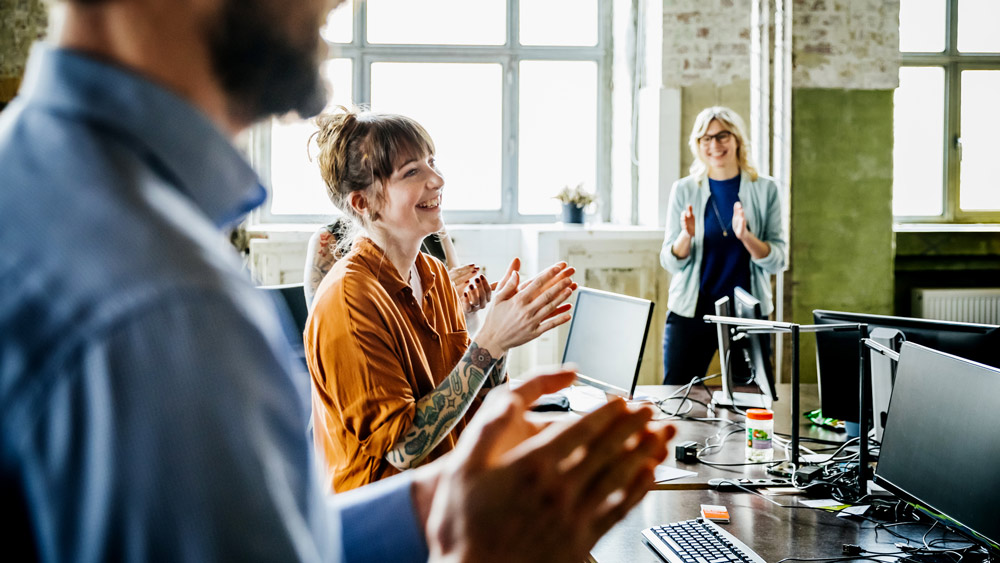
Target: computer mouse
[[551, 403]]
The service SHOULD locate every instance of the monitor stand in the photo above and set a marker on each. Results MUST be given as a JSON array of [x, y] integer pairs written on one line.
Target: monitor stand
[[741, 400]]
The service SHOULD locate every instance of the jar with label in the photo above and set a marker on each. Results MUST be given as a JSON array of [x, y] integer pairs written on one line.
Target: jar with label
[[760, 426]]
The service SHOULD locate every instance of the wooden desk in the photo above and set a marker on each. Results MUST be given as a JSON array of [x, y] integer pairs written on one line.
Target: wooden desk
[[773, 532], [733, 449]]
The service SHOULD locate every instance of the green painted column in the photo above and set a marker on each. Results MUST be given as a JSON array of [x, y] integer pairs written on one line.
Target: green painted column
[[842, 245]]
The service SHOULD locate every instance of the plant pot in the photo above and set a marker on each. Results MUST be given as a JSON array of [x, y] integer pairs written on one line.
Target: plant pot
[[572, 213]]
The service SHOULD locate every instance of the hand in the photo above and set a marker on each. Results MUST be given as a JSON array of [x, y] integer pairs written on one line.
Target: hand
[[515, 491], [476, 295], [739, 221], [687, 219], [521, 312], [462, 275]]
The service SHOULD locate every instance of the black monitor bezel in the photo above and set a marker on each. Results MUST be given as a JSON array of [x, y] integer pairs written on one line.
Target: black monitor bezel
[[746, 306], [920, 503], [840, 395]]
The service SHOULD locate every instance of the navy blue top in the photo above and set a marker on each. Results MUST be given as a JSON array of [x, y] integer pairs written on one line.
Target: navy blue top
[[726, 262], [150, 406]]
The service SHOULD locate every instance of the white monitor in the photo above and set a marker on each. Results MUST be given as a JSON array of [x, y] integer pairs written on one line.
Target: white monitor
[[606, 338]]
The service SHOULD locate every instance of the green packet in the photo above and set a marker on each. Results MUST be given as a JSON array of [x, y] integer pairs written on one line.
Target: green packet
[[817, 418]]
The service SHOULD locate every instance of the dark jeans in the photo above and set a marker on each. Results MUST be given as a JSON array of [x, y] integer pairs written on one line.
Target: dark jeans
[[688, 347]]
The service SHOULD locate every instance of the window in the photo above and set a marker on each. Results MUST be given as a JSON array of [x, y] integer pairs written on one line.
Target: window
[[947, 121], [515, 94]]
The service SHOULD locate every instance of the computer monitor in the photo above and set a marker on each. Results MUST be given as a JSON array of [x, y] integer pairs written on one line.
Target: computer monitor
[[734, 365], [606, 339], [940, 449], [757, 352], [837, 353]]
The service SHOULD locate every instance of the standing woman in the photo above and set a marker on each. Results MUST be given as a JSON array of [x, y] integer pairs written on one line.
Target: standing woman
[[724, 230], [394, 370]]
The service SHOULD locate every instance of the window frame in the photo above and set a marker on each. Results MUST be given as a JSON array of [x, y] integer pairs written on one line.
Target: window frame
[[953, 62], [363, 54]]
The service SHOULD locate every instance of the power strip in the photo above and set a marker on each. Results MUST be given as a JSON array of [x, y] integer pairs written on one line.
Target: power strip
[[740, 484]]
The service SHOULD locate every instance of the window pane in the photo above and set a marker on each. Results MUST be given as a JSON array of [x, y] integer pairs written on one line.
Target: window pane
[[461, 106], [558, 22], [297, 185], [557, 131], [979, 188], [442, 22], [922, 25], [339, 26], [977, 26], [918, 151]]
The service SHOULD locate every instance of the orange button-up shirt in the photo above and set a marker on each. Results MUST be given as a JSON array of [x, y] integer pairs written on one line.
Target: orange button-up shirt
[[373, 350]]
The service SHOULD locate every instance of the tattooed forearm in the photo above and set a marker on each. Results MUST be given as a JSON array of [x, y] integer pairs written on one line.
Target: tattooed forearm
[[439, 411], [498, 374]]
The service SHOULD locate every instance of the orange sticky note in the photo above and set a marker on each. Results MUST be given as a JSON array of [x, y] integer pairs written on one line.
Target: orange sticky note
[[715, 513]]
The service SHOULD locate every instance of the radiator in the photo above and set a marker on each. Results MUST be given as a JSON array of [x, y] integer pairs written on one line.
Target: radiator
[[977, 305]]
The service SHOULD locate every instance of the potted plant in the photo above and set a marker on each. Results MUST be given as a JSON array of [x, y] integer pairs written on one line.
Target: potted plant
[[574, 200]]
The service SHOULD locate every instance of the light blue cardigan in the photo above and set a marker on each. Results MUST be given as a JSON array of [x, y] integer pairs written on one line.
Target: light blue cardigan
[[763, 212]]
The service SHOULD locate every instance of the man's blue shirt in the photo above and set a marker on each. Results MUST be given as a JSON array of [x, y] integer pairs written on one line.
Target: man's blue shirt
[[150, 408]]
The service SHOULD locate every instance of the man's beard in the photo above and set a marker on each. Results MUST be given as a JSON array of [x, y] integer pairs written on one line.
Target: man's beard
[[261, 67]]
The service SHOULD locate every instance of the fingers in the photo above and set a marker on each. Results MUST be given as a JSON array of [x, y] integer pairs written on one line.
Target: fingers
[[477, 294], [508, 288], [462, 274], [515, 266], [605, 450], [583, 431], [548, 278], [737, 207], [560, 310], [633, 493], [625, 464], [544, 383], [551, 323], [487, 428], [543, 306]]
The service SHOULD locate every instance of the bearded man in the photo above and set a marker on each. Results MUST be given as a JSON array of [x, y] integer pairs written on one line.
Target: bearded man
[[150, 408]]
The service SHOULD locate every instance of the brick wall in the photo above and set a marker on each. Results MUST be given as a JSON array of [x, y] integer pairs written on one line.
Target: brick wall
[[705, 41], [849, 44]]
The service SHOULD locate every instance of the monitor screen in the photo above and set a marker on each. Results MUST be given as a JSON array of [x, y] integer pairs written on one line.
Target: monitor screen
[[940, 448], [758, 350], [838, 355], [606, 339]]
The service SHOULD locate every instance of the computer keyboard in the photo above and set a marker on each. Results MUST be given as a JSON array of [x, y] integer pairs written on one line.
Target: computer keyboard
[[698, 541]]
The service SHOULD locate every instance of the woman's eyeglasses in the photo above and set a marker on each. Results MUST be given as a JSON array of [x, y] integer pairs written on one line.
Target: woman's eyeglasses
[[721, 137]]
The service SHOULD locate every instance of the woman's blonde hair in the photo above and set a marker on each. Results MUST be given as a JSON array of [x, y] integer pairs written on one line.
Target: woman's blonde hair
[[358, 152], [730, 121]]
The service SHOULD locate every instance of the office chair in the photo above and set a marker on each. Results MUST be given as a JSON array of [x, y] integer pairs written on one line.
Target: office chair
[[290, 299]]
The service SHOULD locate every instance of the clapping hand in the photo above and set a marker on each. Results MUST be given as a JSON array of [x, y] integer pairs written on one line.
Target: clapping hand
[[521, 312], [516, 491], [739, 221], [476, 295], [687, 219]]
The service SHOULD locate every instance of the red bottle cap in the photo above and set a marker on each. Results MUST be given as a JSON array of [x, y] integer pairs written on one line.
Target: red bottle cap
[[759, 414]]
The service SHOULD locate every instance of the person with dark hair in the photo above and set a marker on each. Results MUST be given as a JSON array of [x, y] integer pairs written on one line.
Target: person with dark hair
[[150, 406], [394, 369], [724, 230]]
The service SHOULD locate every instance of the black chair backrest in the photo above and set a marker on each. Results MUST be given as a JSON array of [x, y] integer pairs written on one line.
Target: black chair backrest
[[292, 298]]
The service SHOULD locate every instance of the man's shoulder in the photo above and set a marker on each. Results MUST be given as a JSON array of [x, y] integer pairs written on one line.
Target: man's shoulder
[[90, 230]]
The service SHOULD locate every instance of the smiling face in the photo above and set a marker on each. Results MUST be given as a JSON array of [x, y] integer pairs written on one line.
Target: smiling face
[[411, 208], [718, 150]]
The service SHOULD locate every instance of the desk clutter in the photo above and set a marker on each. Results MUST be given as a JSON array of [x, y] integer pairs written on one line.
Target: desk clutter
[[927, 491]]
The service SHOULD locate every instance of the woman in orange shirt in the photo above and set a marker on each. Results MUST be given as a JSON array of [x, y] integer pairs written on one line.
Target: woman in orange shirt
[[393, 368]]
